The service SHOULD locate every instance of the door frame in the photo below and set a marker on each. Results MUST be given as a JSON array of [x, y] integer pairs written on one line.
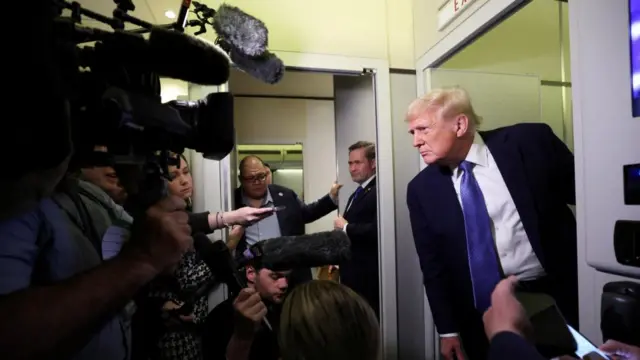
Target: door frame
[[384, 155]]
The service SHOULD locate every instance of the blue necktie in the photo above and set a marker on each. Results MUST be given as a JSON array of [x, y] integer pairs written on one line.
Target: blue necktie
[[353, 198], [483, 260]]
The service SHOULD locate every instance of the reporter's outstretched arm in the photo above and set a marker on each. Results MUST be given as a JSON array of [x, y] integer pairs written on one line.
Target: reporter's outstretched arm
[[57, 320]]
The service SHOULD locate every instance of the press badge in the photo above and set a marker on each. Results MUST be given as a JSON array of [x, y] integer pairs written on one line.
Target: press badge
[[113, 240]]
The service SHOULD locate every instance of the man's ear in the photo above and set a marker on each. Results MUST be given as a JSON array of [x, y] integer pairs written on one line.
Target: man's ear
[[462, 125]]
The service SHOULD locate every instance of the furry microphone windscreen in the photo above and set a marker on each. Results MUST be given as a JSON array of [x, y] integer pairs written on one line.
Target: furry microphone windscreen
[[241, 30], [185, 57], [305, 251], [267, 67]]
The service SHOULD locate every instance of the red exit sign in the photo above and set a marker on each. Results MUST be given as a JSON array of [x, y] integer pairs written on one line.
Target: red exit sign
[[451, 10]]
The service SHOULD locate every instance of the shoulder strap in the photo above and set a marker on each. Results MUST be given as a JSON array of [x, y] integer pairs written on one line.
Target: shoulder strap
[[85, 224]]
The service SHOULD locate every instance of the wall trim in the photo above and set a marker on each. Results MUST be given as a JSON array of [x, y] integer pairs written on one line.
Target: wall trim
[[260, 96]]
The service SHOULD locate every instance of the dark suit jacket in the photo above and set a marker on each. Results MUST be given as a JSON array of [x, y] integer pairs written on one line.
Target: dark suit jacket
[[292, 219], [360, 273], [538, 170], [509, 346]]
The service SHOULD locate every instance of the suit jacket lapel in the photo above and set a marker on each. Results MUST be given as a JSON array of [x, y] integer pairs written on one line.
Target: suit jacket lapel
[[365, 192], [512, 169], [278, 200], [448, 207]]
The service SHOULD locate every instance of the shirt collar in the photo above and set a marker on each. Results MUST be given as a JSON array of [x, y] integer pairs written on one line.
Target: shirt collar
[[267, 200], [367, 182], [478, 154]]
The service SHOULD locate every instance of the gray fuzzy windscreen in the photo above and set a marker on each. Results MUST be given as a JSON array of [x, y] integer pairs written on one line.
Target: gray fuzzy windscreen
[[306, 251], [243, 31]]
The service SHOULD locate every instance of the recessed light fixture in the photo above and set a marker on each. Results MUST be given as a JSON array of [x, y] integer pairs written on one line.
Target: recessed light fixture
[[170, 14]]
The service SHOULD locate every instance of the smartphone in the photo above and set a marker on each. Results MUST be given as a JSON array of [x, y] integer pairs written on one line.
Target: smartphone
[[584, 345], [551, 335], [279, 208]]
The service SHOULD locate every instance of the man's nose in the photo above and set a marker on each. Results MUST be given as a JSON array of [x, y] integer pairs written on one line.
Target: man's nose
[[417, 142]]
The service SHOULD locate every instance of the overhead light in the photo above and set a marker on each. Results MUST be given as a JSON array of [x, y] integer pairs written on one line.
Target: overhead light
[[170, 14]]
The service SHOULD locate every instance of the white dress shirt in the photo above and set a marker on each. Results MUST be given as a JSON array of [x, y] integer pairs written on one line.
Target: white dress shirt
[[512, 244]]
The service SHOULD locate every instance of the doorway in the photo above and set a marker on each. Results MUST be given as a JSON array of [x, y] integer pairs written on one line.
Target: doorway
[[513, 59], [219, 179]]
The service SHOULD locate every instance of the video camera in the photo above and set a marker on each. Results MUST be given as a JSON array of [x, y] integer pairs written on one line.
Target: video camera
[[112, 87]]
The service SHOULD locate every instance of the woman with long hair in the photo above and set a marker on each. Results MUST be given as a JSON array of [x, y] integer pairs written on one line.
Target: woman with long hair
[[179, 336]]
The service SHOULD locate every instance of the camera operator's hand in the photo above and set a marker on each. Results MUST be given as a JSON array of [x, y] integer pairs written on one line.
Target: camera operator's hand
[[164, 235], [250, 311]]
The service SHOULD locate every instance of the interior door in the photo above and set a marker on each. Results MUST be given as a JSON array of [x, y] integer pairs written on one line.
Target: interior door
[[501, 100], [212, 187]]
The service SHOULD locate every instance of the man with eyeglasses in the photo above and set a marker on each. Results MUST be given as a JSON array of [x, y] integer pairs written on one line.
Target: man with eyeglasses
[[255, 191]]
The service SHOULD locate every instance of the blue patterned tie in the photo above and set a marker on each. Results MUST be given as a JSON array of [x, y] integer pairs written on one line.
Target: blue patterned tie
[[483, 260]]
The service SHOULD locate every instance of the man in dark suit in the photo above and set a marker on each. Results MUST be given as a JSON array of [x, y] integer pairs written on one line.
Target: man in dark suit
[[255, 192], [490, 204], [360, 222]]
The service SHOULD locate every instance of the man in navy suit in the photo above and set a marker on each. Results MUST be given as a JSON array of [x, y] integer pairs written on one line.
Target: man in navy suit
[[290, 221], [490, 204], [360, 222]]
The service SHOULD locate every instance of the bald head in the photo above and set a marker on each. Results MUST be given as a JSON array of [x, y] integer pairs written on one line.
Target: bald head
[[253, 176], [250, 162]]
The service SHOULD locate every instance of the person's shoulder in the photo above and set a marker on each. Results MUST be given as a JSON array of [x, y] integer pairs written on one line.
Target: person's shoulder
[[277, 189], [521, 131]]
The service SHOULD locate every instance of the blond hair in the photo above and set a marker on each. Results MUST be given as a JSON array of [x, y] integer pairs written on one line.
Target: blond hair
[[449, 102], [323, 320]]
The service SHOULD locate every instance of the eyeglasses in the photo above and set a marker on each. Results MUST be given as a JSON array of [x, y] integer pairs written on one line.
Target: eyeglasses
[[257, 178]]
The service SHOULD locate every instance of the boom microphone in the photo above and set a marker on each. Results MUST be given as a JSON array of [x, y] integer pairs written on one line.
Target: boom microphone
[[185, 57], [242, 31], [266, 67], [304, 251]]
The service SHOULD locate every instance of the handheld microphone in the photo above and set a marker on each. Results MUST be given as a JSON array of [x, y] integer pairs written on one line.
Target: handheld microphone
[[185, 57], [242, 31], [304, 251], [266, 67]]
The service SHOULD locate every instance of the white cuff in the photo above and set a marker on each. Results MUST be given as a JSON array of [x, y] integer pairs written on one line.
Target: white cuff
[[344, 228], [449, 335]]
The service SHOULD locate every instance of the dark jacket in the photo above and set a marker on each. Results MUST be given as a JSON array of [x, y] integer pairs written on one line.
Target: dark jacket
[[292, 219]]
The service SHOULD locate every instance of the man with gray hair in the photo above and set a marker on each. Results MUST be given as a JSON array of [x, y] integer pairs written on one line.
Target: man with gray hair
[[489, 204]]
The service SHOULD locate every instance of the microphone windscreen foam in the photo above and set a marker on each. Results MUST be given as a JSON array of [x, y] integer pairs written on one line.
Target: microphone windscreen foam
[[267, 67], [248, 34], [185, 57]]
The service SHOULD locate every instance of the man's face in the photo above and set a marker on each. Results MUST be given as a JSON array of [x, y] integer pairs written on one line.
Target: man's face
[[105, 178], [253, 179], [271, 285], [433, 136], [360, 167], [269, 179]]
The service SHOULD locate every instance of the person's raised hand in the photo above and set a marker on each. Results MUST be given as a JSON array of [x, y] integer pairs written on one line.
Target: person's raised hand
[[335, 190], [163, 235], [250, 311], [620, 350], [506, 313]]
